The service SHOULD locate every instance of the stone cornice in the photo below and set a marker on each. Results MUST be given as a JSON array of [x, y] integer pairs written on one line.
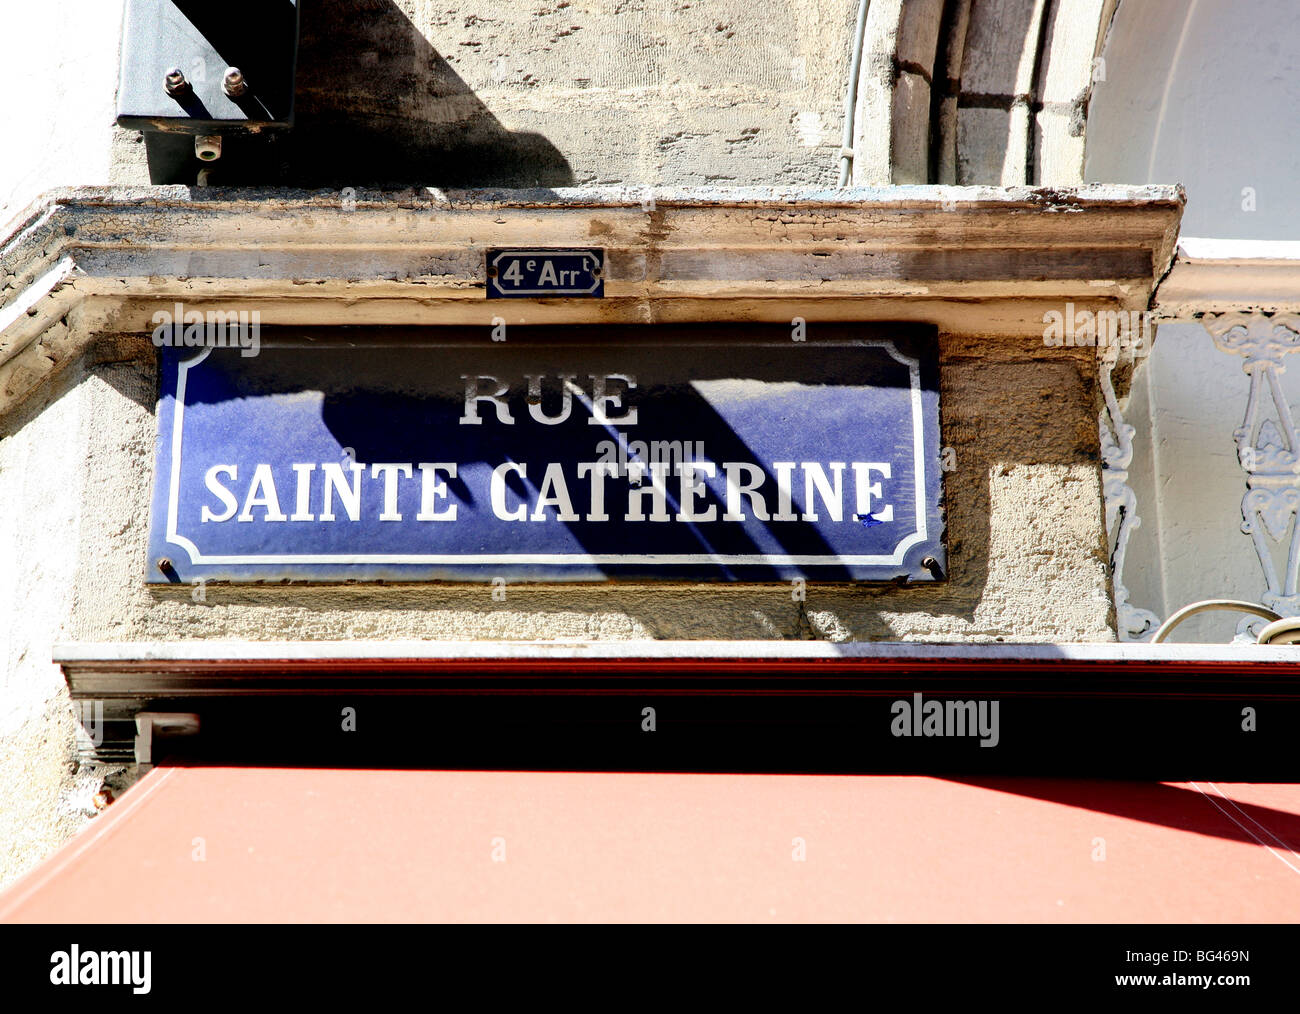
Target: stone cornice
[[974, 260], [1217, 276]]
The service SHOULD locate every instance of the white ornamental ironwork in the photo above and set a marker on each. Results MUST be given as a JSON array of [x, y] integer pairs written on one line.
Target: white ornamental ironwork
[[1267, 449], [1132, 623]]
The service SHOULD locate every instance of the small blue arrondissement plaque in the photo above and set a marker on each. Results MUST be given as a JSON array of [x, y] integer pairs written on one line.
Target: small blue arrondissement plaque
[[564, 453], [531, 274]]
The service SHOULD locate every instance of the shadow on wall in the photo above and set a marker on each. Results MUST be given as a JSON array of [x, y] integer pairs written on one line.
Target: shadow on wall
[[376, 106]]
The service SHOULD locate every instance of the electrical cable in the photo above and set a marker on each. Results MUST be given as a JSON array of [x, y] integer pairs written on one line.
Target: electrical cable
[[851, 94], [1204, 606]]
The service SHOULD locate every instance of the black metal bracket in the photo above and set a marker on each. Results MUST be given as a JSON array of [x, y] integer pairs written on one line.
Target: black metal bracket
[[208, 68]]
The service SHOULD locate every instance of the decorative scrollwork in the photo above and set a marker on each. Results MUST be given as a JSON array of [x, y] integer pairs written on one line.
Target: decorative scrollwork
[[1259, 337], [1267, 449], [1132, 623]]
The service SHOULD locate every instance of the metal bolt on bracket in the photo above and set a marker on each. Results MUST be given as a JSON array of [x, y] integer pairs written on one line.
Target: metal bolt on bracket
[[174, 82], [207, 147], [233, 83]]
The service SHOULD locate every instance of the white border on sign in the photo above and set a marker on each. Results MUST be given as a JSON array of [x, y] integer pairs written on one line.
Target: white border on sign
[[560, 559]]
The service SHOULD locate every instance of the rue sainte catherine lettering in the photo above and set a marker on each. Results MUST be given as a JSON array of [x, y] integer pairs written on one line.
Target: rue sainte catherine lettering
[[626, 479]]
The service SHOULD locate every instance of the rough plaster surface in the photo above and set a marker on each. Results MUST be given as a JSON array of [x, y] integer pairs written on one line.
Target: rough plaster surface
[[45, 793]]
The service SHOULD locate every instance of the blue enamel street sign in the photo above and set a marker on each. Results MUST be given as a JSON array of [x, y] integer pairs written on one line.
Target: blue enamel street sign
[[532, 274], [563, 453]]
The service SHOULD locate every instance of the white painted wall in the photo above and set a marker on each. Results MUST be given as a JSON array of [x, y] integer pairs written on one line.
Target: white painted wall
[[56, 125], [1204, 93]]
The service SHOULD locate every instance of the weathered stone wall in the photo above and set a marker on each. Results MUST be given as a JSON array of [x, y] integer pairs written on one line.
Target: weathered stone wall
[[424, 93], [637, 92], [605, 92]]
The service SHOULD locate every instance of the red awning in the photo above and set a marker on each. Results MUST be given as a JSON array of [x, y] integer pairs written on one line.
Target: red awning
[[257, 844]]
